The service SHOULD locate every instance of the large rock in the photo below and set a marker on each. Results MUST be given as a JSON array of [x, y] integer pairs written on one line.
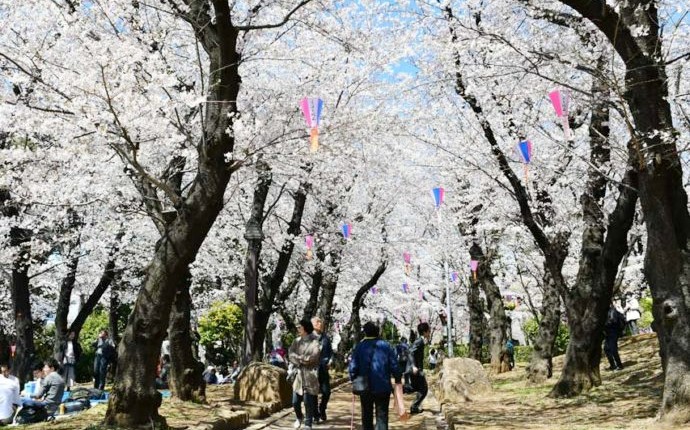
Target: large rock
[[460, 379], [263, 383]]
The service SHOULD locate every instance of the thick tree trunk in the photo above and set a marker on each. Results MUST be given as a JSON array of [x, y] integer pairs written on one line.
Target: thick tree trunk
[[498, 323], [134, 400], [541, 367], [588, 302], [114, 315], [314, 291], [636, 37], [186, 382], [476, 308]]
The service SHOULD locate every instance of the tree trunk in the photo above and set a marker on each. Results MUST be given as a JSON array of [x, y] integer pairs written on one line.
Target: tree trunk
[[498, 323], [351, 331], [95, 297], [254, 236], [21, 304], [541, 367], [114, 315], [325, 305], [314, 291], [64, 298], [476, 320], [637, 39], [186, 381], [587, 303], [134, 400]]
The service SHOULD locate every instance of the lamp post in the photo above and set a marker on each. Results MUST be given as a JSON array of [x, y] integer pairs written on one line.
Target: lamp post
[[254, 236]]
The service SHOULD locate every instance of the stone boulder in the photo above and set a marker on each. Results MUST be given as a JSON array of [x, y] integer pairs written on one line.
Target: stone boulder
[[460, 379], [263, 383]]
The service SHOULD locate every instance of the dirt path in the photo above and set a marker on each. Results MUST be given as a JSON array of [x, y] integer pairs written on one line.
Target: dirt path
[[340, 415]]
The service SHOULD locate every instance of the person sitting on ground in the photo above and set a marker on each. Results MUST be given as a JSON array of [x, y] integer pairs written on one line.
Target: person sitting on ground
[[9, 395], [162, 380], [235, 372], [37, 372], [210, 376], [52, 387]]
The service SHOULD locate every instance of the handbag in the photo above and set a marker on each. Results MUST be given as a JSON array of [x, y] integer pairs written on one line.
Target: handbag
[[360, 384]]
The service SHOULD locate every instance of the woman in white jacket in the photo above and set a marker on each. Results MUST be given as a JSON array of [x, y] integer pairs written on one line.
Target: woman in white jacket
[[632, 312]]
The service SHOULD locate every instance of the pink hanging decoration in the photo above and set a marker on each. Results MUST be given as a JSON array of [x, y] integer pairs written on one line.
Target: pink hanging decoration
[[474, 265], [560, 99], [407, 257], [311, 109], [309, 242]]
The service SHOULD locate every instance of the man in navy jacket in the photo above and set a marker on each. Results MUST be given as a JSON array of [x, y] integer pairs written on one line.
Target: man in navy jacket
[[376, 358], [415, 364]]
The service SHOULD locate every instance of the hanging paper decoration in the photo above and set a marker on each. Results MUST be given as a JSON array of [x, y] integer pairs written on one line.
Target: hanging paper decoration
[[439, 194], [373, 290], [421, 294], [347, 230], [13, 350], [309, 242], [454, 277], [407, 258], [312, 108], [524, 153], [405, 287], [474, 264], [560, 100]]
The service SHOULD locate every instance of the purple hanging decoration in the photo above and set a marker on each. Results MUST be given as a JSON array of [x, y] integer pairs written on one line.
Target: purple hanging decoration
[[373, 290], [454, 277], [405, 287], [439, 194], [347, 230]]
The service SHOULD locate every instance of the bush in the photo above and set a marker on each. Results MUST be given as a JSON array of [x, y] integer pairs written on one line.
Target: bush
[[222, 330], [531, 328], [523, 353], [463, 350], [647, 317]]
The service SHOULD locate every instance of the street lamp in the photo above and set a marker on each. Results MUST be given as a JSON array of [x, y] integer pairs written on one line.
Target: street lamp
[[439, 194]]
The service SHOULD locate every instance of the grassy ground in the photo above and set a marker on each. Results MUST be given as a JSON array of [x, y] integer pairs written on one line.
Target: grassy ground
[[628, 399]]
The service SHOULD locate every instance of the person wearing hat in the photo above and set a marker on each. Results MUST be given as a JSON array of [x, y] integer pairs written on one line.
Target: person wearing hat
[[304, 355], [210, 376], [632, 312]]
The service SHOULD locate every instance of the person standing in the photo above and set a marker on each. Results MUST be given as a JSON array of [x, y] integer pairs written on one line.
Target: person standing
[[375, 359], [415, 365], [402, 350], [9, 395], [615, 323], [105, 354], [433, 359], [632, 312], [304, 355], [70, 352], [324, 363]]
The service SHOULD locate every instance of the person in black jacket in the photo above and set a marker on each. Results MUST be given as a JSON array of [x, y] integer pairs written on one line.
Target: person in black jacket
[[415, 364], [68, 356], [615, 323]]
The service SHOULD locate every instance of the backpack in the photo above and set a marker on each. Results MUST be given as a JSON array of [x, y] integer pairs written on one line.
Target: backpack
[[31, 414], [616, 320], [401, 352]]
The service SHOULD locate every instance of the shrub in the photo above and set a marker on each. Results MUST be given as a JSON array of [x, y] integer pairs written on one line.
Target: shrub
[[221, 329], [531, 328]]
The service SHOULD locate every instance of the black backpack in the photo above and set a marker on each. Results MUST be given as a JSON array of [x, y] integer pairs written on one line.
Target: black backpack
[[31, 414]]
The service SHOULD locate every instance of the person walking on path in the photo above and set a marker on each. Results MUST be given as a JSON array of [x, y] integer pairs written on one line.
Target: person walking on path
[[304, 355], [615, 323], [70, 352], [415, 363], [105, 354], [632, 312], [375, 359], [324, 363]]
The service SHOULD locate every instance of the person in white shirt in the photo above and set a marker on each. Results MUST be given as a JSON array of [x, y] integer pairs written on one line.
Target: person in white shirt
[[632, 312], [9, 395]]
